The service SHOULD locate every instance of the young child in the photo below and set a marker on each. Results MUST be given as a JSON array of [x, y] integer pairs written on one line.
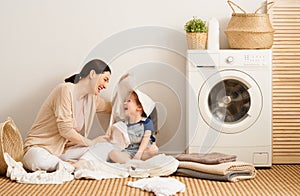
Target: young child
[[140, 131]]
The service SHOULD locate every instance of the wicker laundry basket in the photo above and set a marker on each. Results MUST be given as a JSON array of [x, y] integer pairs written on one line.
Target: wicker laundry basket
[[10, 142], [250, 30]]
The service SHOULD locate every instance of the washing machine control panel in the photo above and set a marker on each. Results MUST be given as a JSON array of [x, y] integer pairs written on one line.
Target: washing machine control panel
[[206, 58], [254, 59], [245, 58]]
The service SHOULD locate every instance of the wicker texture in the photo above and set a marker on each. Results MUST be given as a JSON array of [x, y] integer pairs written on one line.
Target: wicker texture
[[11, 142], [250, 30], [196, 40]]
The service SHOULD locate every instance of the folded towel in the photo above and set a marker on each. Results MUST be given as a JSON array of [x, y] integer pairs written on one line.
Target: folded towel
[[230, 176], [209, 158], [222, 169]]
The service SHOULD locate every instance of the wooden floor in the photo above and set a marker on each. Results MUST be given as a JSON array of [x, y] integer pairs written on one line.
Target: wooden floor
[[278, 180]]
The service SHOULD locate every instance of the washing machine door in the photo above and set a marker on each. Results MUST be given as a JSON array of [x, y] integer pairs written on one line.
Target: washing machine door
[[230, 101]]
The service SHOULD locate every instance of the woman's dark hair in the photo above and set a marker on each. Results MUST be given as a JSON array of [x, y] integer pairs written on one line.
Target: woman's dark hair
[[97, 65]]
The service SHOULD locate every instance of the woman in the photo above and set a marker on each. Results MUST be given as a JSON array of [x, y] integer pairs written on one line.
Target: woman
[[59, 133]]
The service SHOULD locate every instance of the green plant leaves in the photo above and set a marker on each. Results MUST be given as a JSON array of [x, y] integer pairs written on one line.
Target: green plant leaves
[[195, 25]]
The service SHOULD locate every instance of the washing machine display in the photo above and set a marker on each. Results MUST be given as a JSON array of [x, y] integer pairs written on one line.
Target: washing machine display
[[232, 92]]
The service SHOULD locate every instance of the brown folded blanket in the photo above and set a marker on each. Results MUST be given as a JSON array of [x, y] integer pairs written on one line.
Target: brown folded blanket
[[208, 158]]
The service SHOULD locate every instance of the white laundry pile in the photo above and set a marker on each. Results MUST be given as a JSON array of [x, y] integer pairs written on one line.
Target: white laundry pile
[[16, 172], [159, 165], [99, 151], [99, 169], [160, 186]]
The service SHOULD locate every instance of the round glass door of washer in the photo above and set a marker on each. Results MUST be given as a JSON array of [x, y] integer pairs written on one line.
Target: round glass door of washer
[[230, 101]]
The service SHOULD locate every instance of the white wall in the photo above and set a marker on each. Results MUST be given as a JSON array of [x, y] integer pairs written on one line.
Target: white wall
[[42, 42]]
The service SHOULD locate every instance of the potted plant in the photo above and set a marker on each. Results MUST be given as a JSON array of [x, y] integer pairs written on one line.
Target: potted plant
[[196, 33]]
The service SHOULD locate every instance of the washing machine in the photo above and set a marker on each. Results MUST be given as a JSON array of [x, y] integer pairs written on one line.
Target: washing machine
[[229, 104]]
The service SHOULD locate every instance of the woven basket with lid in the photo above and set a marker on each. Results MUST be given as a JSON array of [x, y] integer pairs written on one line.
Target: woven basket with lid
[[10, 142]]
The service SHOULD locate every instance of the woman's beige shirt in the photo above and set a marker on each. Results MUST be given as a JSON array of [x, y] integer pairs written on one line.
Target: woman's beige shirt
[[54, 123]]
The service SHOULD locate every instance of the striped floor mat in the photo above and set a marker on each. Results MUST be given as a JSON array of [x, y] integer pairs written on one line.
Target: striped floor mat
[[279, 180]]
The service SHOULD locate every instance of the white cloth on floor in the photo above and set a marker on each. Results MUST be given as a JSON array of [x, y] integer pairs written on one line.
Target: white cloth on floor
[[159, 165], [99, 151], [160, 186], [16, 172], [95, 166], [99, 170]]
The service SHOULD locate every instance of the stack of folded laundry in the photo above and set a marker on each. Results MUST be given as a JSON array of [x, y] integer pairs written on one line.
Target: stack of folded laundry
[[214, 166]]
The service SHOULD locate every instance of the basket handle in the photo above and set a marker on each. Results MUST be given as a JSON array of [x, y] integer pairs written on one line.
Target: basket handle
[[265, 5], [230, 3]]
